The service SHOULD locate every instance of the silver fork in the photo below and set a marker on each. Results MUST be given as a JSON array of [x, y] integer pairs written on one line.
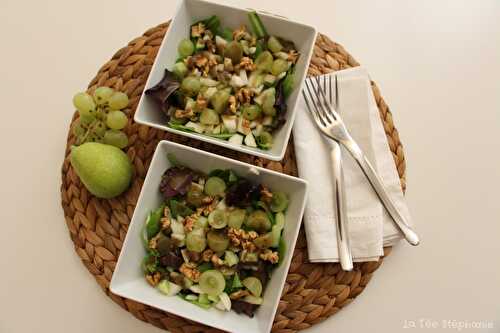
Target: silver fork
[[339, 202], [330, 123]]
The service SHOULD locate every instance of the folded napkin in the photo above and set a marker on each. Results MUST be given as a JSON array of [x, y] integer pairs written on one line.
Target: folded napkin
[[370, 226]]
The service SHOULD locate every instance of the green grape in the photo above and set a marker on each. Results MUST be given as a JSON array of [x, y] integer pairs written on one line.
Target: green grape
[[78, 129], [116, 120], [236, 218], [185, 48], [102, 95], [86, 120], [215, 186], [217, 219], [84, 103], [258, 220], [180, 69], [92, 137], [101, 114], [279, 66], [265, 241], [118, 101], [99, 128], [212, 282], [116, 138], [217, 241], [196, 241]]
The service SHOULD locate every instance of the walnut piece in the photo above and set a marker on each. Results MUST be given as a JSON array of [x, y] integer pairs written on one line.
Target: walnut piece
[[216, 260], [232, 104], [189, 270], [228, 65], [197, 30], [188, 113], [249, 246], [270, 256], [239, 294], [265, 194], [201, 102], [241, 237], [153, 279], [247, 64], [244, 95], [293, 56]]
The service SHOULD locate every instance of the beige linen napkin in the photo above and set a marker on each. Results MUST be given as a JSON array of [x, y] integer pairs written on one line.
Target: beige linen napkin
[[370, 227]]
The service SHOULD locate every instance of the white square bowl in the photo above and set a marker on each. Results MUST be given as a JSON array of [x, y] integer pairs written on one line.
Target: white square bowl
[[128, 279], [191, 10]]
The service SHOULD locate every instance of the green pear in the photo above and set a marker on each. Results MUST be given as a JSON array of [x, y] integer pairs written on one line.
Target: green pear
[[104, 169]]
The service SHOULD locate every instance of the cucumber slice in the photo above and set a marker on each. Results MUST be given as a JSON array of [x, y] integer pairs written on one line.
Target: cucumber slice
[[191, 297], [236, 218], [212, 282], [217, 219], [279, 202], [215, 186], [253, 285]]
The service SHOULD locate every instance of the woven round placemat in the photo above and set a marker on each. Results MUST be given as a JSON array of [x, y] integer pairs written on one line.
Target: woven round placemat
[[312, 293]]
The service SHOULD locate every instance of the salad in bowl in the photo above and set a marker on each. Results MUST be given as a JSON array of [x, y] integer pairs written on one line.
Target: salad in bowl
[[229, 83], [215, 239]]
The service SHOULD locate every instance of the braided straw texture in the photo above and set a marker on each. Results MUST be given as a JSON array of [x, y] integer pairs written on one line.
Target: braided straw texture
[[312, 293]]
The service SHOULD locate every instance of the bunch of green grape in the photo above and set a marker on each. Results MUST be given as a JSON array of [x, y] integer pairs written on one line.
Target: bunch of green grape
[[101, 118]]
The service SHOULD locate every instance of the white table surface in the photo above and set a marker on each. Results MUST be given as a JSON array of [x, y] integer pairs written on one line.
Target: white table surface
[[437, 64]]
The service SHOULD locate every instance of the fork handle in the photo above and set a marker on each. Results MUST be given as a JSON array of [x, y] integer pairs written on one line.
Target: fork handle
[[340, 208], [381, 192]]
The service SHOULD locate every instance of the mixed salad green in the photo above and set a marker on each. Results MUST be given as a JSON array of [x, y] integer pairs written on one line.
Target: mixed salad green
[[229, 84], [215, 239]]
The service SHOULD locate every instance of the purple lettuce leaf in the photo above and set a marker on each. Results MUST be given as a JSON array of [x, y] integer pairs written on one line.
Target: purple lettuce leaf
[[176, 181], [164, 89]]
